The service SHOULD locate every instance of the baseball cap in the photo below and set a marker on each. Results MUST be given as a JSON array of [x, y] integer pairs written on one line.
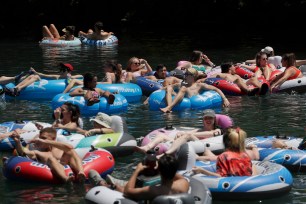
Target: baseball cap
[[267, 50], [103, 119], [209, 113], [67, 66]]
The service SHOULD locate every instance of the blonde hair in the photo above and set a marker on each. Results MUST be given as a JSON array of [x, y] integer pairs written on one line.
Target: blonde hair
[[130, 62], [192, 71], [234, 139]]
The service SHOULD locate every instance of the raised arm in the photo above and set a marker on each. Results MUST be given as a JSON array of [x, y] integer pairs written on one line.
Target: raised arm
[[22, 151], [133, 192]]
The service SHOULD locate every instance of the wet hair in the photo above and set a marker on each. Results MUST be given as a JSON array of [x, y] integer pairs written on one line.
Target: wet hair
[[290, 58], [99, 25], [168, 166], [50, 130], [234, 139], [226, 66], [88, 78]]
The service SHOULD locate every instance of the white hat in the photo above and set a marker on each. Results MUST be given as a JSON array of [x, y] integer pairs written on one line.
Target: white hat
[[267, 50], [103, 119]]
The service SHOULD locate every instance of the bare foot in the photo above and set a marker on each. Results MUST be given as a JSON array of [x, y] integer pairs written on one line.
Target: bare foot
[[279, 144], [70, 179], [111, 99], [81, 177], [165, 110]]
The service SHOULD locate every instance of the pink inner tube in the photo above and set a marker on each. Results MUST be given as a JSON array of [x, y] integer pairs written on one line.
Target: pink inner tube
[[223, 121]]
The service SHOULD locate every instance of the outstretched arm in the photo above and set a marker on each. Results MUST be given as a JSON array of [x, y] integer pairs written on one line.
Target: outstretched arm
[[60, 145], [226, 103], [49, 76]]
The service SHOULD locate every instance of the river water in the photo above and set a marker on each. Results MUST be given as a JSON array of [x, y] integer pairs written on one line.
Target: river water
[[256, 115]]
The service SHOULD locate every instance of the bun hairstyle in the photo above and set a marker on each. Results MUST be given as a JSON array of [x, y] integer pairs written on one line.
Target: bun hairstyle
[[234, 139]]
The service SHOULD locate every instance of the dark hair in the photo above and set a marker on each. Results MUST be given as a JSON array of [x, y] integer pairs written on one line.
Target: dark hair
[[258, 58], [71, 29], [99, 25], [168, 166], [75, 112], [290, 58], [88, 77], [226, 66], [158, 67], [195, 55], [116, 67]]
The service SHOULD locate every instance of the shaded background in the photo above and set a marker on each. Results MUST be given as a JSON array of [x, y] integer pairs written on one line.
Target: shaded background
[[23, 19]]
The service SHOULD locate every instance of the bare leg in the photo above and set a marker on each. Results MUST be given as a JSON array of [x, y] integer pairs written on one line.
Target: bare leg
[[56, 168], [169, 91], [72, 83], [54, 31], [207, 156], [5, 80], [178, 142], [27, 81], [157, 139], [75, 164], [254, 81], [176, 100], [46, 32]]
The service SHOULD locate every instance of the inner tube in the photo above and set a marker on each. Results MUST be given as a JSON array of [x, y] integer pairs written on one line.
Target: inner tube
[[272, 180], [198, 194], [207, 99], [18, 168], [120, 104], [111, 40], [215, 144], [60, 43]]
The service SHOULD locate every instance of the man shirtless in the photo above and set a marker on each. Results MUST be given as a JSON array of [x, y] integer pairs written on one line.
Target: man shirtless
[[171, 181], [228, 73], [53, 153], [98, 32], [190, 89]]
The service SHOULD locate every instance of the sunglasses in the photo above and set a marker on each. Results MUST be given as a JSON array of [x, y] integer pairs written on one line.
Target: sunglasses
[[136, 63], [264, 58]]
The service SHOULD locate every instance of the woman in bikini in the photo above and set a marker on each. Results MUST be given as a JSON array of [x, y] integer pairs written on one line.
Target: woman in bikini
[[262, 67], [138, 67], [291, 72], [90, 92]]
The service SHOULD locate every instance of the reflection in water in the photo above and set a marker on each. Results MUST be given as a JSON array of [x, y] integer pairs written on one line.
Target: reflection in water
[[79, 56]]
